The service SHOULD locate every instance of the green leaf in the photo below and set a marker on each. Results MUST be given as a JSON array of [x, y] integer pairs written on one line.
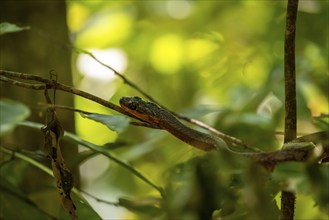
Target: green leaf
[[318, 176], [261, 191], [84, 210], [115, 123], [6, 28], [289, 170], [322, 121], [115, 145], [10, 195], [104, 151], [11, 113], [291, 176], [255, 119], [201, 185], [101, 150], [11, 198]]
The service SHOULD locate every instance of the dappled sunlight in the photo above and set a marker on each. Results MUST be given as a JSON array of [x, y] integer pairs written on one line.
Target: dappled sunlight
[[204, 137], [105, 29], [188, 54], [115, 58], [198, 49], [100, 81], [179, 9], [167, 53], [220, 63], [76, 16], [317, 102], [255, 72]]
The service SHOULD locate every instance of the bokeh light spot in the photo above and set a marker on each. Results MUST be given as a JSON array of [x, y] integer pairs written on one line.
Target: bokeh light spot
[[179, 9], [167, 54], [115, 58]]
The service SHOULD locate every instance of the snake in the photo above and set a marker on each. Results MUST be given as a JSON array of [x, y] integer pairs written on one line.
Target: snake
[[155, 115], [159, 117]]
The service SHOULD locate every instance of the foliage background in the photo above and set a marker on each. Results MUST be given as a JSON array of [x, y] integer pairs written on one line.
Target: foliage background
[[217, 61], [223, 58]]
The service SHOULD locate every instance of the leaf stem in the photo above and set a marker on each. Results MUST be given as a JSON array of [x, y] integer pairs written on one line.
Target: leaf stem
[[27, 159]]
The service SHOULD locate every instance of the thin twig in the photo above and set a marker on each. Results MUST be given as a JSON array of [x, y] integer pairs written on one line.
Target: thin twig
[[149, 97], [288, 199], [267, 159], [67, 89], [7, 75], [52, 84], [100, 200], [23, 84], [125, 80], [271, 157], [228, 138]]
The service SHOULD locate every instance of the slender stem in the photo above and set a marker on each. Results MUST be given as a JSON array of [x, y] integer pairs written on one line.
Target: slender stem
[[100, 200], [13, 192], [289, 72], [149, 97], [27, 159], [101, 150], [6, 76], [288, 199]]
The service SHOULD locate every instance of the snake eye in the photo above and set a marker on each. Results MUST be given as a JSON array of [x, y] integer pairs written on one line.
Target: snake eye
[[132, 105]]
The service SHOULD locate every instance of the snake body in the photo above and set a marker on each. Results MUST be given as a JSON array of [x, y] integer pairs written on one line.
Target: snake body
[[155, 115]]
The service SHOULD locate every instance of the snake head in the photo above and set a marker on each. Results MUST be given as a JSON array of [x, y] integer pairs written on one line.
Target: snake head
[[130, 103], [146, 111]]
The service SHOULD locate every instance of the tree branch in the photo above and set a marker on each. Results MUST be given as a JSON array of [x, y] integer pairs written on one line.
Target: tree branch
[[267, 159], [200, 124], [288, 198], [51, 84]]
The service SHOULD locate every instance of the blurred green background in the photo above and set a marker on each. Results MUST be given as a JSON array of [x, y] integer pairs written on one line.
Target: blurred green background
[[217, 61]]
